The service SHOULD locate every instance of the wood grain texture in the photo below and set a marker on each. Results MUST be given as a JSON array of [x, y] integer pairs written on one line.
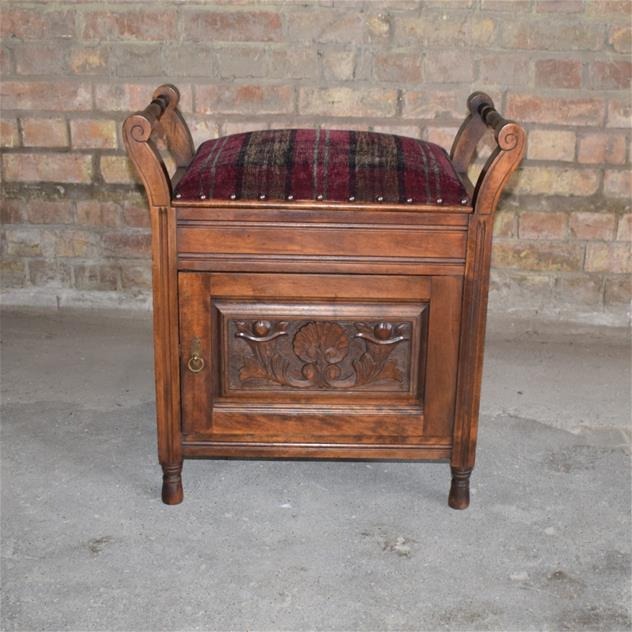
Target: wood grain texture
[[232, 238]]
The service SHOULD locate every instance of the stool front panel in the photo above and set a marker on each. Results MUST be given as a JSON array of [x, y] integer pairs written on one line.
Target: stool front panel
[[309, 358]]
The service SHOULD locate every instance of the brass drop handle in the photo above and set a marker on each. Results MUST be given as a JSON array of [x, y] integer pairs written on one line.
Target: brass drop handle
[[196, 361]]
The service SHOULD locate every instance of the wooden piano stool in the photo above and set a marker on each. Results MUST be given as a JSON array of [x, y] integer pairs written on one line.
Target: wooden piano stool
[[319, 293]]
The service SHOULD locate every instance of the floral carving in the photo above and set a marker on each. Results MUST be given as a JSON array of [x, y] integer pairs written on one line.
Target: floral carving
[[321, 346]]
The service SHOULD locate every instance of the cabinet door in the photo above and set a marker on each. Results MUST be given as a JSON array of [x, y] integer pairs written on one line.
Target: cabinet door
[[317, 358]]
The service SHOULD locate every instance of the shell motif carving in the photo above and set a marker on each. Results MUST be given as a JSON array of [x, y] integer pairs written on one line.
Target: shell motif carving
[[321, 347]]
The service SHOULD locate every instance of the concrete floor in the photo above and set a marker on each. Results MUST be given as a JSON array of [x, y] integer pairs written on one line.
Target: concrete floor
[[281, 545]]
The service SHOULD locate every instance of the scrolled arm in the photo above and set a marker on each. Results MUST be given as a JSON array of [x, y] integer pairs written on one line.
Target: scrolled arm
[[504, 159], [161, 116]]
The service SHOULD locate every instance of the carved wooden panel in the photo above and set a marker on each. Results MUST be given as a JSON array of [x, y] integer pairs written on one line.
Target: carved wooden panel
[[316, 348]]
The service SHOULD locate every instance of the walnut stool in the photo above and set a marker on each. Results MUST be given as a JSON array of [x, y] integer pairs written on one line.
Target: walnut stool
[[319, 293]]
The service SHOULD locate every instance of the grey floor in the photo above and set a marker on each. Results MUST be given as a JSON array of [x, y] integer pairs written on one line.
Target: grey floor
[[272, 545]]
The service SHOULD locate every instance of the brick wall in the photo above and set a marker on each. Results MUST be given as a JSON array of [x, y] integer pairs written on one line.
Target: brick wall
[[76, 225]]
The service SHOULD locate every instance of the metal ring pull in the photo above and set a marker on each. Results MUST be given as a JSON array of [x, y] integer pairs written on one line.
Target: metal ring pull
[[195, 364], [196, 361]]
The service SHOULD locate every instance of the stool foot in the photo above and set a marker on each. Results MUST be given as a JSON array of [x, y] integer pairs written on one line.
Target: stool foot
[[459, 497], [172, 493]]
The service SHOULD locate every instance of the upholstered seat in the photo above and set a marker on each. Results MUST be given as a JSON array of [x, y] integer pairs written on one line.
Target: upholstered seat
[[327, 165]]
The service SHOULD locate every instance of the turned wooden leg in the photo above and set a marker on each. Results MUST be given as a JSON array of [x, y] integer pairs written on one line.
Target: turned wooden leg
[[460, 489], [172, 493]]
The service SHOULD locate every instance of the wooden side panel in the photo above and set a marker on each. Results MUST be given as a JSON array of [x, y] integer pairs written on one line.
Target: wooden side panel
[[472, 341]]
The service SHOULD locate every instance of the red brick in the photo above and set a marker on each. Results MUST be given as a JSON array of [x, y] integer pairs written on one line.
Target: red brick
[[454, 4], [49, 272], [40, 59], [343, 101], [559, 6], [600, 8], [442, 29], [325, 26], [88, 61], [29, 242], [47, 167], [137, 60], [93, 134], [542, 225], [238, 61], [136, 275], [610, 75], [548, 34], [11, 211], [48, 212], [301, 63], [608, 257], [44, 132], [125, 97], [338, 65], [618, 290], [45, 95], [241, 26], [505, 224], [543, 255], [117, 170], [552, 180], [558, 73], [506, 5], [448, 67], [503, 70], [9, 135], [619, 113], [97, 213], [545, 144], [145, 25], [12, 273], [600, 148], [621, 39], [617, 183], [398, 67], [73, 242], [430, 104], [379, 26], [624, 229], [103, 277], [591, 226], [127, 244], [6, 62], [247, 99], [192, 60], [555, 110], [136, 215], [36, 24]]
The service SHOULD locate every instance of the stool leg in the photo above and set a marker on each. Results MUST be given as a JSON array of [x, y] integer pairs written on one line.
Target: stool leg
[[172, 493], [460, 488]]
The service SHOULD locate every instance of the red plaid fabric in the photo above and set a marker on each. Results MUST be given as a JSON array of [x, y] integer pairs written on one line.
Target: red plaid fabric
[[331, 165]]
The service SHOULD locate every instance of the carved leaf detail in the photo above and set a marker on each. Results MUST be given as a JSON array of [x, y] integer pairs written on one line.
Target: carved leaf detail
[[252, 370], [322, 347], [390, 372]]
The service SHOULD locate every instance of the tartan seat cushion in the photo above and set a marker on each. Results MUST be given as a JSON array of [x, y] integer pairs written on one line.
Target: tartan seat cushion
[[328, 165]]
